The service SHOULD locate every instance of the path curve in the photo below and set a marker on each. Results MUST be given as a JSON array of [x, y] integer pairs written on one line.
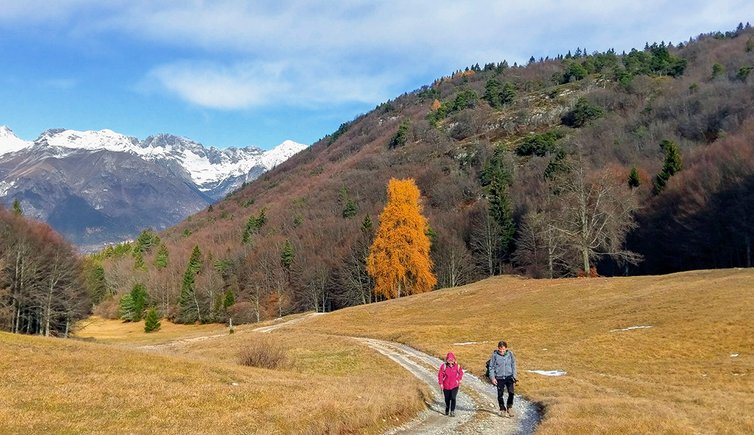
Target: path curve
[[476, 408], [477, 399]]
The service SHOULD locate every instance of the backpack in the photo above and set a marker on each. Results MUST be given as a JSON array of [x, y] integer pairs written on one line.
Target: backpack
[[458, 368], [487, 368]]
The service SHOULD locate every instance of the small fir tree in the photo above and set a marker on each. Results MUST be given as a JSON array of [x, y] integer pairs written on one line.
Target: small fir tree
[[633, 178], [132, 304], [287, 255], [17, 207], [188, 303], [152, 321], [229, 299], [161, 260], [401, 136], [673, 164]]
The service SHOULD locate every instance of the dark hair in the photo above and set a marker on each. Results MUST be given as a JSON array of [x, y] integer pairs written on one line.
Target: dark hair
[[502, 344]]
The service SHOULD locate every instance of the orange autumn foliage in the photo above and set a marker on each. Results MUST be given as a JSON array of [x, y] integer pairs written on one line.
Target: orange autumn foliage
[[436, 105], [399, 258]]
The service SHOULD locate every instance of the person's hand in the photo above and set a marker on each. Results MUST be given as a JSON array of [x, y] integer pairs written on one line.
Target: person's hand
[[515, 381], [494, 381]]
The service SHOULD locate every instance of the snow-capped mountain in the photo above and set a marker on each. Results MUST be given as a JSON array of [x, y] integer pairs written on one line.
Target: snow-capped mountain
[[103, 186], [9, 142], [207, 167]]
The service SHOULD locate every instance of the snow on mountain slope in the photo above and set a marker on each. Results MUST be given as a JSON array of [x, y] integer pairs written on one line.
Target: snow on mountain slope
[[9, 142], [207, 167]]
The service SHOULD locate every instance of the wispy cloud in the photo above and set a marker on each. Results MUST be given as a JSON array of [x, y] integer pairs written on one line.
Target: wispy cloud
[[238, 54], [244, 85]]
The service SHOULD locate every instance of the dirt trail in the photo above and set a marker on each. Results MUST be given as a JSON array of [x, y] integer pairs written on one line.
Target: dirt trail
[[476, 407], [477, 399]]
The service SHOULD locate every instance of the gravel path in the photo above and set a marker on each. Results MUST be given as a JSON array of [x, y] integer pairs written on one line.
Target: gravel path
[[476, 409], [476, 406]]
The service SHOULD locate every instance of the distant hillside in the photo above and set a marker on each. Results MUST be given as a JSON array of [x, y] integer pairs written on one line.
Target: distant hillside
[[657, 140], [98, 187]]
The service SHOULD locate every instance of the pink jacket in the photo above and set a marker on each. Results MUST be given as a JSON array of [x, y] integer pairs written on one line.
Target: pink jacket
[[450, 375]]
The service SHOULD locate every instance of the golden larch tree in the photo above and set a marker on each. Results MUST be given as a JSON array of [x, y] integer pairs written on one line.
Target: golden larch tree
[[399, 256]]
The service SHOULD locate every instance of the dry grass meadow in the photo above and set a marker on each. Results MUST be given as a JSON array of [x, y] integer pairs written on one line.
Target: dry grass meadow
[[692, 371], [186, 384]]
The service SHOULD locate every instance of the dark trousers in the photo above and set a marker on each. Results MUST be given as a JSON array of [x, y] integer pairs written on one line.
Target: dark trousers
[[502, 384], [450, 399]]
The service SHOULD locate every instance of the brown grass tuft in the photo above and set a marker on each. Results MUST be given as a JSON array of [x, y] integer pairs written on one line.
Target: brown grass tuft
[[262, 353]]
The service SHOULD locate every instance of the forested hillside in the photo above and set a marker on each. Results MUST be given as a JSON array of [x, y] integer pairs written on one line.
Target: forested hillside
[[41, 281], [599, 163]]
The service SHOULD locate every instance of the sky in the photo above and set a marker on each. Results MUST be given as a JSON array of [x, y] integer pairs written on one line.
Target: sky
[[255, 73]]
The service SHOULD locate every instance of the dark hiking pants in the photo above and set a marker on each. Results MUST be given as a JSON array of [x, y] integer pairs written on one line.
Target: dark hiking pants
[[502, 385], [450, 399]]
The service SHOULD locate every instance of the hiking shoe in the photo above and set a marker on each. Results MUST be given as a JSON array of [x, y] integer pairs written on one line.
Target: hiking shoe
[[446, 412], [503, 413], [510, 413], [452, 413]]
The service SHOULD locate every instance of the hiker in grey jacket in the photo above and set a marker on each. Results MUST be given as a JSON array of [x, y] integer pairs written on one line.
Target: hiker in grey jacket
[[503, 374]]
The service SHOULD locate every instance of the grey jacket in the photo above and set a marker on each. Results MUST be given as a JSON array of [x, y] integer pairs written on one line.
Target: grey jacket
[[504, 365]]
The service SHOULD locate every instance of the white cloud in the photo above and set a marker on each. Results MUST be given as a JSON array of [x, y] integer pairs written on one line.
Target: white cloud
[[316, 52], [248, 84]]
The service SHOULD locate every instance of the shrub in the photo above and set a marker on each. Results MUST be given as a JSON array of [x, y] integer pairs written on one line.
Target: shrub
[[743, 72], [262, 353], [582, 113], [574, 72], [539, 144], [401, 136]]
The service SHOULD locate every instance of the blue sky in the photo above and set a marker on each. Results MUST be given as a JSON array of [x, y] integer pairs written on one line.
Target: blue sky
[[238, 73]]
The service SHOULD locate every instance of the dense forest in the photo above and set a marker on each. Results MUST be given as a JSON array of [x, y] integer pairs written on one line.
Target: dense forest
[[589, 163], [41, 278]]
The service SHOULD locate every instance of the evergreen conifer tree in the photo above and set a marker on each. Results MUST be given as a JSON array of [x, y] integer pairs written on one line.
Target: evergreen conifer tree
[[633, 178], [229, 299], [133, 303], [188, 303], [17, 207], [287, 255], [161, 260], [152, 321], [673, 164]]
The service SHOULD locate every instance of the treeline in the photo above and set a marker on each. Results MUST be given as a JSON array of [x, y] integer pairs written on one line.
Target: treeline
[[41, 282], [591, 164]]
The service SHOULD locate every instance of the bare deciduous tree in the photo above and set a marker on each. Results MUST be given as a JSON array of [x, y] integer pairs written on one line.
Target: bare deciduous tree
[[596, 212]]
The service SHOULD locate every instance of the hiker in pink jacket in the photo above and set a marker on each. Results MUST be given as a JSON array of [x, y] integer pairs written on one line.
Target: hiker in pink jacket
[[449, 377]]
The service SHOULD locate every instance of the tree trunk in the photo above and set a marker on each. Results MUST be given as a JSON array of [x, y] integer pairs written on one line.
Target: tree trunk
[[256, 301], [585, 258], [47, 316], [198, 311]]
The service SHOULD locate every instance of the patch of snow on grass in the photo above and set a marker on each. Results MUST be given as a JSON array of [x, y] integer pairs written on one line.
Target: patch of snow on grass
[[548, 372], [733, 355], [630, 328]]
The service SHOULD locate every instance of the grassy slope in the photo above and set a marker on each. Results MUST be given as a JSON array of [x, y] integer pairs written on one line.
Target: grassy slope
[[676, 377], [62, 386]]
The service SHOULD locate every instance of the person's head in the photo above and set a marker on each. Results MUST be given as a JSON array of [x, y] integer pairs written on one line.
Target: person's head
[[450, 358], [502, 346]]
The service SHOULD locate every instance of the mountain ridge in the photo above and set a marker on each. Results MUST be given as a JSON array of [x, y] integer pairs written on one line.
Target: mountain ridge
[[83, 183]]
